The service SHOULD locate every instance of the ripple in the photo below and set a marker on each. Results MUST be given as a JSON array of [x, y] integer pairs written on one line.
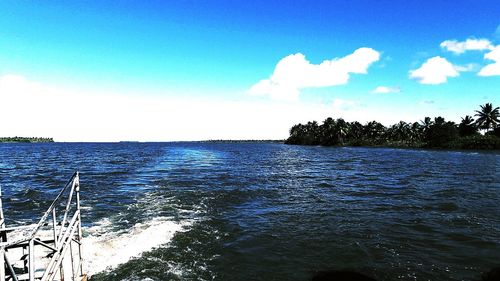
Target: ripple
[[271, 211]]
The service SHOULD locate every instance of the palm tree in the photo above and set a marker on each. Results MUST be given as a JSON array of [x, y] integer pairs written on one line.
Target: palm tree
[[467, 127], [341, 128], [439, 121], [487, 117], [415, 132], [374, 131], [467, 120], [426, 123], [401, 131], [312, 133], [328, 132], [297, 134], [355, 131]]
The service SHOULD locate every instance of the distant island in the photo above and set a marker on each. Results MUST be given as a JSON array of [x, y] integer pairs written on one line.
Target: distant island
[[25, 139], [245, 141], [428, 133]]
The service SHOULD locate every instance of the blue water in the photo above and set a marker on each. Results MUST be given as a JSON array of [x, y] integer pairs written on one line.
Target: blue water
[[271, 211]]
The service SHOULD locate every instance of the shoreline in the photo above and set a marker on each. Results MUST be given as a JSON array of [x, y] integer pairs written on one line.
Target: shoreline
[[420, 146], [404, 147], [17, 139]]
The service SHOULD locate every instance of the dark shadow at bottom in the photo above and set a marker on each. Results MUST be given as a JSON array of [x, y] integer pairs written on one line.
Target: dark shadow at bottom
[[340, 275]]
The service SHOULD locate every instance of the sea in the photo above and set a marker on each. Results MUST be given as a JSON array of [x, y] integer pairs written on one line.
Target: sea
[[266, 211]]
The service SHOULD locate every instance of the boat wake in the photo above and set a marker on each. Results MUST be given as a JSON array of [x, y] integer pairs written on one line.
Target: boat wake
[[105, 249]]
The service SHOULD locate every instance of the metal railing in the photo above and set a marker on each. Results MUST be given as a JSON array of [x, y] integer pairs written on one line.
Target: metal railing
[[40, 252]]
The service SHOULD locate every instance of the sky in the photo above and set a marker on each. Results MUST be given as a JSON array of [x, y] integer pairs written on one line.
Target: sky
[[198, 70]]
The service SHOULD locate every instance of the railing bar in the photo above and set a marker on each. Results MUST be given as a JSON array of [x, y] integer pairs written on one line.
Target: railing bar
[[71, 225], [39, 242], [62, 244], [55, 200], [72, 260], [64, 235], [54, 222], [61, 236], [2, 267], [11, 269], [25, 263], [3, 237], [44, 217], [24, 245], [80, 235], [68, 204], [54, 225], [2, 218], [78, 266], [14, 228], [54, 263], [31, 267]]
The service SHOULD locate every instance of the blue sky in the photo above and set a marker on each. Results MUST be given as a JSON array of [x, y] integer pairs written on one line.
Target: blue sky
[[206, 56]]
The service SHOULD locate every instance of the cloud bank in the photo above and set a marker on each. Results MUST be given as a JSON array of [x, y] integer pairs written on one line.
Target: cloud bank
[[386, 90], [295, 72], [30, 108], [470, 44], [492, 69], [435, 71]]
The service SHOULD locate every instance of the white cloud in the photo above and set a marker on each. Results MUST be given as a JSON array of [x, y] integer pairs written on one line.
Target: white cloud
[[434, 71], [295, 72], [275, 91], [467, 45], [492, 69], [467, 67], [29, 108], [386, 90], [344, 105], [19, 85]]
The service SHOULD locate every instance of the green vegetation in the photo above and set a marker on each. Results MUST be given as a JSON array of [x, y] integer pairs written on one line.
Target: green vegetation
[[428, 133], [25, 139], [244, 141]]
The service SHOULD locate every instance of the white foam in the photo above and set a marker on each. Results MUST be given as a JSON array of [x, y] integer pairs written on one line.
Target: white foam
[[105, 250]]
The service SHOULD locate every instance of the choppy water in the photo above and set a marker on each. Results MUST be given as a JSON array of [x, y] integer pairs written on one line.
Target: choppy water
[[201, 211]]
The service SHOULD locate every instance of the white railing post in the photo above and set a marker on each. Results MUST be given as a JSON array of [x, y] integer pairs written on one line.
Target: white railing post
[[2, 264], [80, 236], [68, 204], [2, 249], [31, 259], [2, 219]]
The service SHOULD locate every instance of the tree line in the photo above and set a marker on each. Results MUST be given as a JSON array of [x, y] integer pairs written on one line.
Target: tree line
[[481, 133], [25, 139]]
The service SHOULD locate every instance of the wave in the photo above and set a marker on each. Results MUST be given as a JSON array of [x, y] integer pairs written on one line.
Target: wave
[[105, 250]]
